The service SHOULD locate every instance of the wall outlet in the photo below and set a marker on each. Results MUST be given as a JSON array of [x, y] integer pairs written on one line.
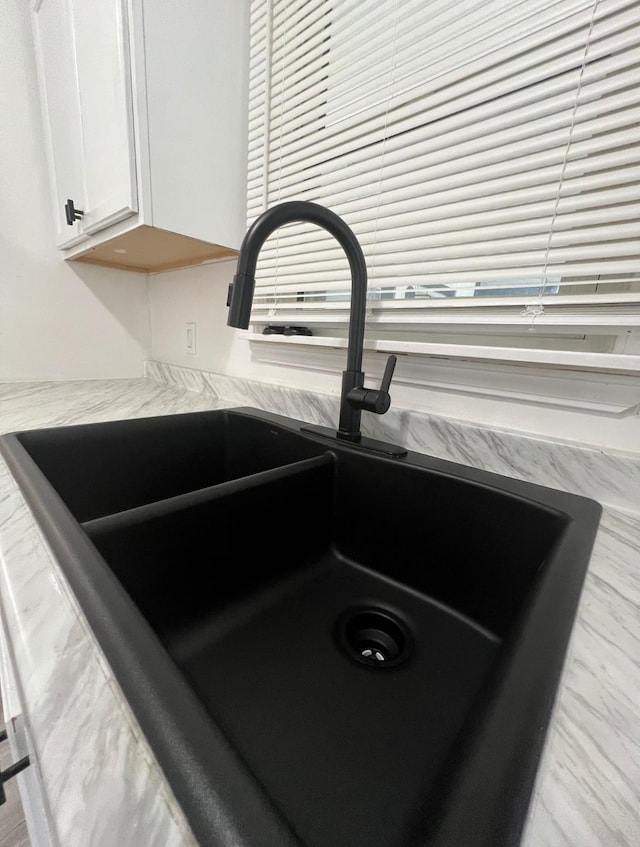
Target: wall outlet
[[190, 339]]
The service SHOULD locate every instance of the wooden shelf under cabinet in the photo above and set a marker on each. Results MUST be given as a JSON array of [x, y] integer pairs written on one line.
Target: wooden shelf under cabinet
[[150, 249]]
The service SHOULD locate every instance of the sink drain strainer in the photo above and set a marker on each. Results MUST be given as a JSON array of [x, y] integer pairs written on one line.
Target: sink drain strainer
[[374, 637]]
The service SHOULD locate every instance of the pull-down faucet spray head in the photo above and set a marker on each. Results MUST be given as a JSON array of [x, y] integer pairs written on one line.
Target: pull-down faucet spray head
[[355, 397]]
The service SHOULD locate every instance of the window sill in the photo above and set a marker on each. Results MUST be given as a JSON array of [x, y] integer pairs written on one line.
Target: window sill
[[603, 383]]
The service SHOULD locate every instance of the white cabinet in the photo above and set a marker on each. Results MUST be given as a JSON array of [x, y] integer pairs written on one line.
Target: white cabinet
[[32, 794], [105, 95], [61, 108], [83, 58], [144, 109]]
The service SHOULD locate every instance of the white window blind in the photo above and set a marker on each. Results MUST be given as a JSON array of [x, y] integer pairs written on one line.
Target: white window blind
[[485, 153]]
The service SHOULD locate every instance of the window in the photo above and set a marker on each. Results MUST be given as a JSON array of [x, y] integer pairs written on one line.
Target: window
[[485, 153]]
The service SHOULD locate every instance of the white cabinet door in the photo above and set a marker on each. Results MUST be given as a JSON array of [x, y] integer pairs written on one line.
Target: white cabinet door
[[82, 50], [55, 52], [104, 85]]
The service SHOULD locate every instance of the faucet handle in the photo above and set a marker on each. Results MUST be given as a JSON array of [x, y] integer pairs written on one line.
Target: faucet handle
[[388, 373], [372, 399]]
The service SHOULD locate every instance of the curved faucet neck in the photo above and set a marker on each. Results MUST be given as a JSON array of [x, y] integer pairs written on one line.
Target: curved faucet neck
[[257, 234]]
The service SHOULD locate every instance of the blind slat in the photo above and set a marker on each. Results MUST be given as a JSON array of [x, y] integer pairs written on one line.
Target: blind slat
[[476, 146]]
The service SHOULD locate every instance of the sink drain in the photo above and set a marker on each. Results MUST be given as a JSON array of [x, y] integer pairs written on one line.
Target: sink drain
[[374, 637]]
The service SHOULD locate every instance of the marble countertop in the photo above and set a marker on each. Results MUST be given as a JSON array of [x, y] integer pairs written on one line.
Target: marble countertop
[[103, 785]]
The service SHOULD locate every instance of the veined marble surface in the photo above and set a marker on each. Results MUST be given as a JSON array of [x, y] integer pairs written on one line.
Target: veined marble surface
[[611, 478], [588, 785], [31, 405], [103, 784]]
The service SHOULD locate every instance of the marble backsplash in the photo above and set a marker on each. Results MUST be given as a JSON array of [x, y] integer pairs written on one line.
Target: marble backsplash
[[611, 478]]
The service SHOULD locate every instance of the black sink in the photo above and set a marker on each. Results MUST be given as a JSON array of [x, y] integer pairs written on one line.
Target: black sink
[[325, 647]]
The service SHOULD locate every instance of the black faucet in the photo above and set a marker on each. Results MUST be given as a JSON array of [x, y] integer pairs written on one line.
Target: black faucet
[[355, 397]]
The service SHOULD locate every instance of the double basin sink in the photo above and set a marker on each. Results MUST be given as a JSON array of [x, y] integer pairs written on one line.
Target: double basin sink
[[323, 646]]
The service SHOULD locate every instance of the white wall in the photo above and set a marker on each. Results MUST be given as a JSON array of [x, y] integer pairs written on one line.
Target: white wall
[[58, 320], [199, 295]]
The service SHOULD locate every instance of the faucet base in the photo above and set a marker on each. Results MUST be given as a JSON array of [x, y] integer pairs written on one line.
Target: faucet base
[[368, 444]]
